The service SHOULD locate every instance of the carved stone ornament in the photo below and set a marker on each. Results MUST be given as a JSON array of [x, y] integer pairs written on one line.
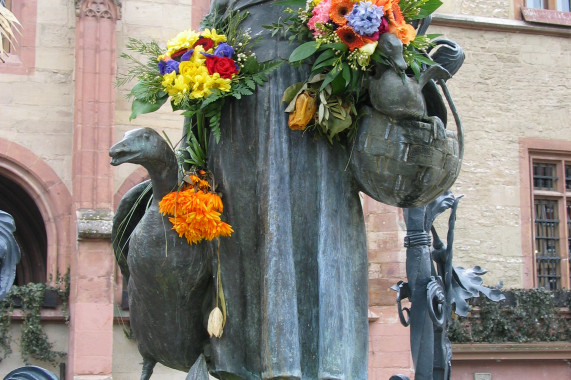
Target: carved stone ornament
[[105, 9]]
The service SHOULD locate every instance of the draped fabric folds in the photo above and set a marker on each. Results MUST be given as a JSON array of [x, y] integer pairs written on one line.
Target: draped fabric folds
[[295, 270]]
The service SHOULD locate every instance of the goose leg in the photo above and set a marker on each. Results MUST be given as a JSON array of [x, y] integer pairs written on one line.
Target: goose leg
[[148, 365]]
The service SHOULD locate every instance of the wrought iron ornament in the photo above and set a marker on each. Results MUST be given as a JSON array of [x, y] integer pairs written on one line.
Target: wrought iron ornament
[[434, 286]]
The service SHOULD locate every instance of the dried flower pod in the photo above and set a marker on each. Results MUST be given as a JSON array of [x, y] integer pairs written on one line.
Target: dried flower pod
[[215, 323], [305, 108]]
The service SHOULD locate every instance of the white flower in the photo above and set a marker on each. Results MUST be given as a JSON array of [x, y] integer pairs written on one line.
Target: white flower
[[369, 48], [215, 323]]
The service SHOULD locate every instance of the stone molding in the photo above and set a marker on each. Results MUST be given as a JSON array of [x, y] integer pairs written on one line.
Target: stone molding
[[500, 25], [102, 9], [512, 351], [94, 224]]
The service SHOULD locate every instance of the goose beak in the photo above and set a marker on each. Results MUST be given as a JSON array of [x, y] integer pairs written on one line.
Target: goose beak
[[400, 62], [120, 155]]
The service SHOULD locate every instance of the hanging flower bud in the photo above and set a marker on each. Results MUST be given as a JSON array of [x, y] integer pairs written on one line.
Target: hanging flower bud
[[215, 323], [305, 108]]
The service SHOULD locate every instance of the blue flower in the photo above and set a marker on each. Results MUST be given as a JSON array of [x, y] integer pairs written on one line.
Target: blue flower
[[186, 56], [169, 66], [365, 18], [224, 50]]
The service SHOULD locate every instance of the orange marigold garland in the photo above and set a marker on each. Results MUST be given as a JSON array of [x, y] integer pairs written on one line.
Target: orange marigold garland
[[195, 211]]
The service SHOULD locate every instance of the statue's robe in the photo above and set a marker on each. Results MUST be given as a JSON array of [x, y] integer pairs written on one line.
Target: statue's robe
[[294, 272]]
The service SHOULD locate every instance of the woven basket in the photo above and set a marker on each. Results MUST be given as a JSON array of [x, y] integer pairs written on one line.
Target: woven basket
[[404, 163]]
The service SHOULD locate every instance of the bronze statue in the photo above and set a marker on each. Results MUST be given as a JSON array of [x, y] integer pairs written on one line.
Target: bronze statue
[[295, 271], [168, 281]]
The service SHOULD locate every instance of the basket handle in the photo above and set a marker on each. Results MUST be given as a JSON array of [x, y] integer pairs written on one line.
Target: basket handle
[[459, 127]]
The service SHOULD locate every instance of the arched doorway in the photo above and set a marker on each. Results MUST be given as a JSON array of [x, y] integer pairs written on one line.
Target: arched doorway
[[30, 231]]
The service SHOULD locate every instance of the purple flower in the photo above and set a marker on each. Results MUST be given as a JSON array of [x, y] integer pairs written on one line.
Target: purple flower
[[224, 50], [186, 56], [365, 18], [169, 66]]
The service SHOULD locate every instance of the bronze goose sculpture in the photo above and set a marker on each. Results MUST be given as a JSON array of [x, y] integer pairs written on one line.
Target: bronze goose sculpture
[[397, 96], [168, 279]]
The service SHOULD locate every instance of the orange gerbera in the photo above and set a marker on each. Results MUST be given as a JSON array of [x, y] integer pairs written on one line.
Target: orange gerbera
[[392, 11], [349, 37], [338, 10], [404, 32], [380, 3], [196, 214]]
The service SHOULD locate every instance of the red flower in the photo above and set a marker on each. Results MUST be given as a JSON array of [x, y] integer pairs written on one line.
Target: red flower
[[207, 43], [221, 65], [349, 37]]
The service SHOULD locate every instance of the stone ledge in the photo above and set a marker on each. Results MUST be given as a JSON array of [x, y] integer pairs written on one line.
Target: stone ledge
[[500, 24], [94, 224], [511, 351]]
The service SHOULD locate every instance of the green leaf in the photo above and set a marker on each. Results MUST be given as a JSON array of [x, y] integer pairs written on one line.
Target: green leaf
[[326, 55], [335, 46], [428, 8], [338, 85], [291, 92], [303, 51], [415, 68], [139, 107], [330, 77], [335, 125], [346, 73], [423, 59], [322, 64], [250, 83], [250, 66]]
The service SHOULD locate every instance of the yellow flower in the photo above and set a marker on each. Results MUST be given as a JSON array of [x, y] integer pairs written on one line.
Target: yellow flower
[[168, 79], [197, 56], [201, 85], [211, 33], [183, 40], [222, 84]]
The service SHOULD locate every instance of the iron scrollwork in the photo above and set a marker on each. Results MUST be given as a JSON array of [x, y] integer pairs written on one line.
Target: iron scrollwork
[[434, 286]]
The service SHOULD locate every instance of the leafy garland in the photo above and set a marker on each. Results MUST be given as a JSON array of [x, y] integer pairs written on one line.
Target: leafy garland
[[34, 343], [527, 315]]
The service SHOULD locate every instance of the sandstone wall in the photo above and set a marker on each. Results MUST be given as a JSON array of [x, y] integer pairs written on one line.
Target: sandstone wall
[[36, 110], [57, 335]]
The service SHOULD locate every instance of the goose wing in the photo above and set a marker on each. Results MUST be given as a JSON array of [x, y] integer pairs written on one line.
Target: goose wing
[[131, 209]]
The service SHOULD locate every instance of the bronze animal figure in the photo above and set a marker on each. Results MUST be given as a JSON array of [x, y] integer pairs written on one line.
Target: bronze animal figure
[[169, 280]]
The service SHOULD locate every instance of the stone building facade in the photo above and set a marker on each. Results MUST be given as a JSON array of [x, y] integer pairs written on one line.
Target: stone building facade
[[60, 112]]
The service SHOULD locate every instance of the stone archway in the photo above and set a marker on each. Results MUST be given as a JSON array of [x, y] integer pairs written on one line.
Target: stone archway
[[24, 170]]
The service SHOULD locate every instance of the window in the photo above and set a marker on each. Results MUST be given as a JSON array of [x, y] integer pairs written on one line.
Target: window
[[554, 12], [557, 5], [22, 55], [551, 194], [5, 45]]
